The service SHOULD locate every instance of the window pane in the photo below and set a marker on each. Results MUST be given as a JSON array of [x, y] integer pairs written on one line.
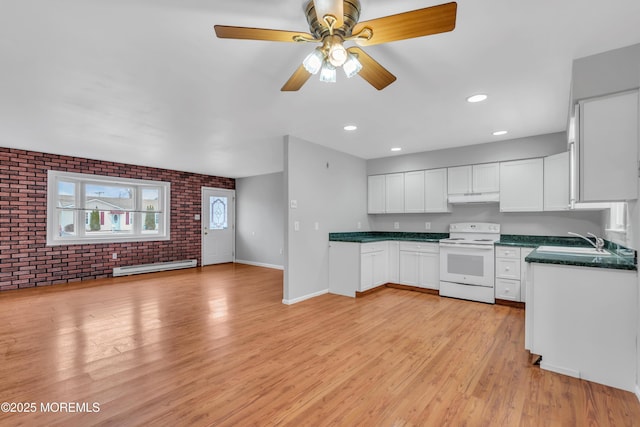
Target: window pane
[[218, 213], [107, 221], [151, 203], [66, 207], [109, 197]]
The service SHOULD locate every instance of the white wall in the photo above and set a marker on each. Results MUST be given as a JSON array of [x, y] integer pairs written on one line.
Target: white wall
[[530, 223], [260, 220], [330, 189], [608, 72]]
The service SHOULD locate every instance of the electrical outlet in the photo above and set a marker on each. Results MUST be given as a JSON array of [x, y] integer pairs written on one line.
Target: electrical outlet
[[427, 226], [359, 225], [396, 225], [296, 226], [293, 204], [114, 255]]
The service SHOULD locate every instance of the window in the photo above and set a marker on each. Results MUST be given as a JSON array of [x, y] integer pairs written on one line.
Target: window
[[618, 217], [218, 214], [95, 209]]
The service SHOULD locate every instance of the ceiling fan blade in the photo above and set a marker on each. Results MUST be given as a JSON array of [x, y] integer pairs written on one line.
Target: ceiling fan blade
[[334, 8], [417, 23], [378, 76], [246, 33], [297, 79]]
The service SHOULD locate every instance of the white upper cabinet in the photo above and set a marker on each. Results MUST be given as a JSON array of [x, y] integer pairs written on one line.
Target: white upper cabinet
[[414, 192], [486, 178], [556, 182], [460, 180], [394, 193], [483, 178], [522, 185], [608, 148], [376, 194], [435, 187]]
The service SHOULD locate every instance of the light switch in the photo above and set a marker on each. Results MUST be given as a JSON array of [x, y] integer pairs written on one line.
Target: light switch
[[296, 226], [316, 226], [293, 204], [196, 217], [396, 225]]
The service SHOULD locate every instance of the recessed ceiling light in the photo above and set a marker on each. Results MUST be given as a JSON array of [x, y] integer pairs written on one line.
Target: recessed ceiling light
[[396, 149], [477, 98], [350, 128], [500, 132]]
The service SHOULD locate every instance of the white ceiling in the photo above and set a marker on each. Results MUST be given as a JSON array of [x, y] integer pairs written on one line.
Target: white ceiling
[[147, 81]]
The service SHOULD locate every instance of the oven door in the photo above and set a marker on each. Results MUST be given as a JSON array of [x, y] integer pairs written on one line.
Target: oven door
[[467, 264]]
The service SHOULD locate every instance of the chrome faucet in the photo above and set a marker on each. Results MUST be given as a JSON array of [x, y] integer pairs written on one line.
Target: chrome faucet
[[599, 244]]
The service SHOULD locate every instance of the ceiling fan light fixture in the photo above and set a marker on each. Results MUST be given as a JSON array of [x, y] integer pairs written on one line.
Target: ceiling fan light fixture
[[351, 66], [313, 62], [328, 73], [336, 53]]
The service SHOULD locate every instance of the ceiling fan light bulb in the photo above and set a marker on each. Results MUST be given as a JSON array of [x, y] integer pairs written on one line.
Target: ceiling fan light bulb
[[352, 66], [328, 73], [313, 62], [337, 55]]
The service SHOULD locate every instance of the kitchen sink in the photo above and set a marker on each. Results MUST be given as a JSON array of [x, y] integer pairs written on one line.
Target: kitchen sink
[[573, 250]]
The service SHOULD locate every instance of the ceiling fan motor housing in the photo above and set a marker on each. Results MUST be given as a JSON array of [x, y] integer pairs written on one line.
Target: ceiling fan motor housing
[[320, 30]]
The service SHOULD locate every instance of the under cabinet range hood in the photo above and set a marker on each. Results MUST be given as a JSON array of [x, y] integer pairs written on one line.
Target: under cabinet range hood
[[474, 198]]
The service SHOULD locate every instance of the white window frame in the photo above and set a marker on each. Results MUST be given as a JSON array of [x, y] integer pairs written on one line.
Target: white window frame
[[80, 180]]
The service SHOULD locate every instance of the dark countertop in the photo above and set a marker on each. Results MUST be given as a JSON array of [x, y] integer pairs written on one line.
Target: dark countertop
[[535, 241], [623, 259], [380, 236], [619, 261]]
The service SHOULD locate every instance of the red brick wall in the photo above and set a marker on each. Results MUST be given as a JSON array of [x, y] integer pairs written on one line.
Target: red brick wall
[[25, 259]]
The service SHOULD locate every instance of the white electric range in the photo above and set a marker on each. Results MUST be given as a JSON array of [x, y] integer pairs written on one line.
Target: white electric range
[[467, 261]]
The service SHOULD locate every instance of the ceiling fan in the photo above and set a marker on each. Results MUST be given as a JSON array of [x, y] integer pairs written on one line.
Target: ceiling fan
[[334, 22]]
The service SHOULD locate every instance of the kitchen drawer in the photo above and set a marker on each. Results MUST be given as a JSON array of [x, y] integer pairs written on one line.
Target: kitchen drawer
[[507, 252], [508, 289], [419, 247], [508, 268], [366, 248]]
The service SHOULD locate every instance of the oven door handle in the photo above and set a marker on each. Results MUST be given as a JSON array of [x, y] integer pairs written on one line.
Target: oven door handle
[[459, 246]]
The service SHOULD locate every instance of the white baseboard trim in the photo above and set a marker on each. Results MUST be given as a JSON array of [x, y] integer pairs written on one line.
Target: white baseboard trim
[[638, 391], [559, 369], [260, 264], [305, 297]]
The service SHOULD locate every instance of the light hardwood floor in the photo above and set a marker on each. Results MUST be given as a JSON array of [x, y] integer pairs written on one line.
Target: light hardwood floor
[[216, 346]]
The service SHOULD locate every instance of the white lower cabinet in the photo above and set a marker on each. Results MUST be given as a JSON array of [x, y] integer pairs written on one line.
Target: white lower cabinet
[[419, 264], [374, 265], [508, 289], [510, 271]]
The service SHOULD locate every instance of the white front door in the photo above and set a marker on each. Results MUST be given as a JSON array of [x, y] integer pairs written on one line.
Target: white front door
[[218, 225]]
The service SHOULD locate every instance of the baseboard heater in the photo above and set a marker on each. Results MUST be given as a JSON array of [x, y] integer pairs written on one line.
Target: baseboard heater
[[150, 268]]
